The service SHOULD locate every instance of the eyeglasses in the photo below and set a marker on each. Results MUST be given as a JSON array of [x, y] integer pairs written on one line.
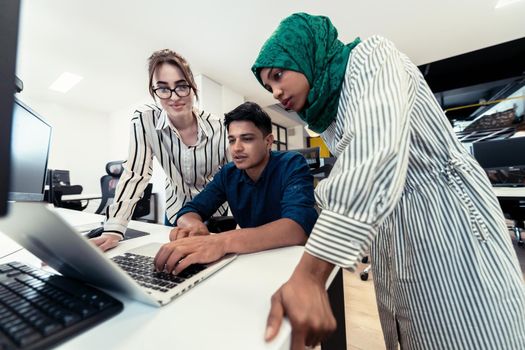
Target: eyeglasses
[[164, 93]]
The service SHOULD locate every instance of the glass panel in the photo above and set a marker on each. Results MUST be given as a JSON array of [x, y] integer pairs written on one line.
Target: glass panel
[[284, 134]]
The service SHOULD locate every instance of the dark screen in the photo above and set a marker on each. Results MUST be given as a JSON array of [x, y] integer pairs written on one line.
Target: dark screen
[[30, 143], [501, 153], [503, 160], [60, 178], [9, 11], [311, 155]]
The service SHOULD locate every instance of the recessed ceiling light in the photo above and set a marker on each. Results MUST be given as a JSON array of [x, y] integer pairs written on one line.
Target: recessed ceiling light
[[65, 82], [502, 3]]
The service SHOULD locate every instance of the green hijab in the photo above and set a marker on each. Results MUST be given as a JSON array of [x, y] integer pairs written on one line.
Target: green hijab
[[308, 44]]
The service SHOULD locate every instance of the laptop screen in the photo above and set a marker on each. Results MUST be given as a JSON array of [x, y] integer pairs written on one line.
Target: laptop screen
[[8, 44]]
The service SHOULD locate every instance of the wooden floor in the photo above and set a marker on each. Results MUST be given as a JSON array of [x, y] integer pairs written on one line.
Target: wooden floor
[[363, 330]]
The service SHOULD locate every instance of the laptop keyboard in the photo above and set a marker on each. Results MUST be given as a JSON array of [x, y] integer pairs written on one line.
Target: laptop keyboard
[[141, 269], [39, 309]]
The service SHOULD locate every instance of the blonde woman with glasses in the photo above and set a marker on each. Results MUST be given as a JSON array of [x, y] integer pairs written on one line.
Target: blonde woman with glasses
[[190, 145]]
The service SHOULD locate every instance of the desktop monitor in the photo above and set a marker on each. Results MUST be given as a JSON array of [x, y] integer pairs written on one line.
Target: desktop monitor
[[503, 160], [55, 180], [312, 156], [31, 139], [9, 11], [59, 178]]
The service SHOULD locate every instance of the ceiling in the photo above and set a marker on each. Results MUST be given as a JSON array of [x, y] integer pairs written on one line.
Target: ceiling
[[108, 42]]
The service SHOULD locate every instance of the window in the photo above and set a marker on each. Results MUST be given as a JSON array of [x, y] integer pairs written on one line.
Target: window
[[280, 134]]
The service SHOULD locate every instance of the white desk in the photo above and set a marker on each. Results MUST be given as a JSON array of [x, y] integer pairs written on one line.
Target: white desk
[[82, 196], [226, 311], [509, 191]]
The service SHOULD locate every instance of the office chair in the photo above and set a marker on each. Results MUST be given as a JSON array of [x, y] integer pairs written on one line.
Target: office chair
[[514, 211], [59, 185], [108, 184], [218, 224], [364, 274], [142, 208], [69, 204]]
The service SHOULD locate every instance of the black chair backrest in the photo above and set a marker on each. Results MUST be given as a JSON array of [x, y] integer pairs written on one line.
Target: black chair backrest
[[142, 208], [108, 184], [115, 168], [218, 224]]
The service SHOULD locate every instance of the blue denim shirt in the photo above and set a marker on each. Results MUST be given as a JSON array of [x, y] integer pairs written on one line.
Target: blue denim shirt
[[284, 190]]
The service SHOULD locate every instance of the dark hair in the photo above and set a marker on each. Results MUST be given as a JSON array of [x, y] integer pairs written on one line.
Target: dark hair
[[171, 57], [252, 112]]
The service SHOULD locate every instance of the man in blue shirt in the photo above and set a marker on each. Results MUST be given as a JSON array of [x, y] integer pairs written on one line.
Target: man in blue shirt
[[270, 194]]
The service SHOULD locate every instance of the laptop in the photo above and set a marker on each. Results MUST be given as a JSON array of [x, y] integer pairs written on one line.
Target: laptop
[[50, 238]]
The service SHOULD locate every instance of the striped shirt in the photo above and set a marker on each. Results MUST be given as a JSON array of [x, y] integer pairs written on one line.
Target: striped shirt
[[446, 275], [188, 168]]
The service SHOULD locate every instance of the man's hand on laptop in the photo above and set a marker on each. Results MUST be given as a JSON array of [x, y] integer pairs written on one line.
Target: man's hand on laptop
[[107, 241], [175, 256], [189, 225], [197, 229]]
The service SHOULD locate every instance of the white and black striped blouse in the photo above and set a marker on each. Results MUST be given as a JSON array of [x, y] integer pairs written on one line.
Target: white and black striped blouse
[[188, 168], [445, 273]]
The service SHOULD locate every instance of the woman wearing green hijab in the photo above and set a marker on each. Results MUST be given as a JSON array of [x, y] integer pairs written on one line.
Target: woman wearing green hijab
[[445, 273]]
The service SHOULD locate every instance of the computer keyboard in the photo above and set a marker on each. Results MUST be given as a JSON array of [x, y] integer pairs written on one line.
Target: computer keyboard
[[39, 309], [141, 269]]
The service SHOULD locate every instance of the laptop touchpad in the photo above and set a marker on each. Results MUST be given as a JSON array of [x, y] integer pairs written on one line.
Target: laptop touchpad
[[150, 249]]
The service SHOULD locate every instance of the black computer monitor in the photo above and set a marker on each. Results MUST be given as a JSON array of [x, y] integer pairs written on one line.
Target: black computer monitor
[[60, 178], [312, 156], [503, 160], [55, 180], [31, 139], [9, 11]]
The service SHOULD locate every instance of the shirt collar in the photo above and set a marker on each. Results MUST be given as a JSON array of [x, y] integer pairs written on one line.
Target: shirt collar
[[165, 122], [202, 123]]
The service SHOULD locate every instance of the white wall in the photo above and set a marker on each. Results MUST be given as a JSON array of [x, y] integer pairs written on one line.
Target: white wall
[[290, 121], [210, 95], [215, 98], [298, 139], [230, 99]]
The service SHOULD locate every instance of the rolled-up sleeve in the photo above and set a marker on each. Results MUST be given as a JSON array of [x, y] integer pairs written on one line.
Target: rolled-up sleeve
[[368, 178], [298, 201]]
